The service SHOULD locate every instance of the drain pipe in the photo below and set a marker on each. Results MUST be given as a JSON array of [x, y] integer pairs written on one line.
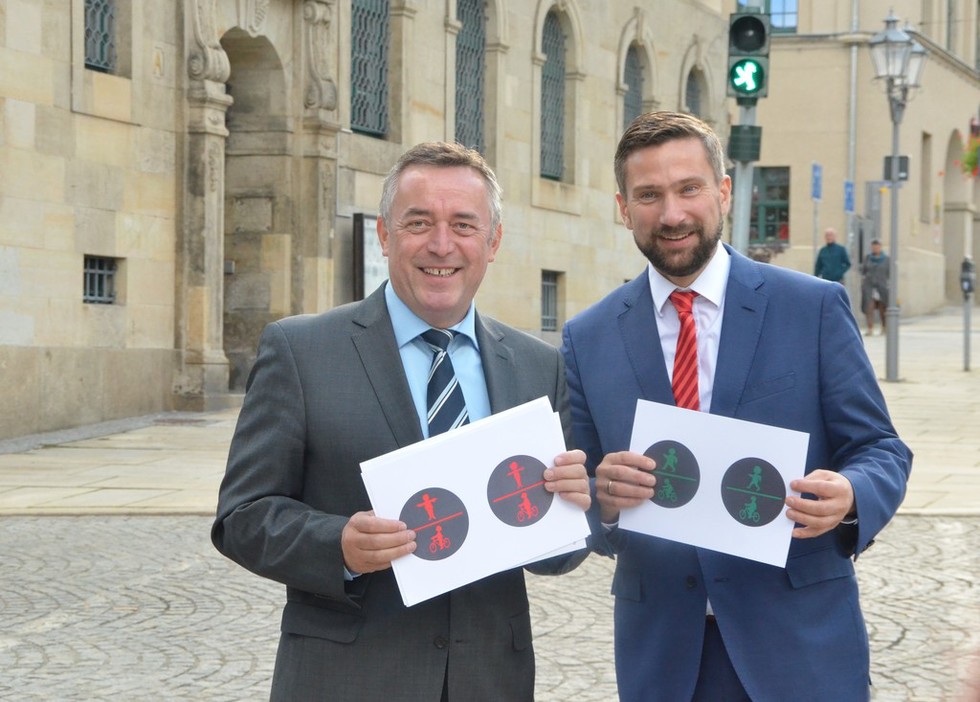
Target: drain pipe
[[854, 289]]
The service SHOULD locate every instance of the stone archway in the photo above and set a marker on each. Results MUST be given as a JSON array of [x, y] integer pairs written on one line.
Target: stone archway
[[260, 170], [258, 212]]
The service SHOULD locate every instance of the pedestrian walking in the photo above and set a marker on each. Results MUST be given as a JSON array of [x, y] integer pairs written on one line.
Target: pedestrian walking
[[832, 261], [874, 286]]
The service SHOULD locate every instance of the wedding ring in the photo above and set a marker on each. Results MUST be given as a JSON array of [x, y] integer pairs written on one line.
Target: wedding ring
[[609, 486]]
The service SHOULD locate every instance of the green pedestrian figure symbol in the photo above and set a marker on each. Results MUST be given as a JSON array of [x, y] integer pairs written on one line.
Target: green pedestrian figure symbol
[[755, 480], [670, 460], [667, 492], [750, 512]]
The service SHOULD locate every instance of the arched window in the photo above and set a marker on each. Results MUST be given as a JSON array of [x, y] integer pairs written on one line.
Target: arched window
[[470, 69], [692, 92], [370, 31], [633, 77], [553, 99], [100, 35]]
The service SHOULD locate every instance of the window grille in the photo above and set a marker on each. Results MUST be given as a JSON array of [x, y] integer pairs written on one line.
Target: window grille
[[633, 75], [692, 94], [553, 99], [370, 32], [100, 35], [470, 66], [99, 285], [549, 301]]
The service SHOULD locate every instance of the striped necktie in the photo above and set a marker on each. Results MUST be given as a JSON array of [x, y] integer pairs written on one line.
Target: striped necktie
[[685, 380], [446, 408]]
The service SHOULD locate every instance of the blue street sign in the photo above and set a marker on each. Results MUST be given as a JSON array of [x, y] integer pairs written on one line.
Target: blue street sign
[[849, 196], [817, 181]]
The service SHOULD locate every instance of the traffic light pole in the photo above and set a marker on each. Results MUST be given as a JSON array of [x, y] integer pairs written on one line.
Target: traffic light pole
[[742, 196]]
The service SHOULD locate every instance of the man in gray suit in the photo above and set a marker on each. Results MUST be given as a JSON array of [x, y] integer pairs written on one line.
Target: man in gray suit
[[332, 390]]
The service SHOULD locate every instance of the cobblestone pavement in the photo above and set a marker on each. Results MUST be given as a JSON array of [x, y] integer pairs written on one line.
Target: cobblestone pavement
[[127, 608]]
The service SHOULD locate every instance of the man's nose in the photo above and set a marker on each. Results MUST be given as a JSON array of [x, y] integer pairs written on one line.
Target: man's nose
[[673, 212], [441, 240]]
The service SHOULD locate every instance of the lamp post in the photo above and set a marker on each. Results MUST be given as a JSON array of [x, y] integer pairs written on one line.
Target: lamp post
[[898, 60]]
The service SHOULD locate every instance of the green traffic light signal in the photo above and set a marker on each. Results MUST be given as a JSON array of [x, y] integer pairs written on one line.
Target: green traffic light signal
[[747, 77], [748, 55]]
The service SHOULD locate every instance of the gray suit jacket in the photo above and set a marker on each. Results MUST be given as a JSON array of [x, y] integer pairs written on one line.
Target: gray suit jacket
[[327, 392]]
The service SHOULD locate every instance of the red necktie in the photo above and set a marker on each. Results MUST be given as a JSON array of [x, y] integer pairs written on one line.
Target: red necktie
[[685, 381]]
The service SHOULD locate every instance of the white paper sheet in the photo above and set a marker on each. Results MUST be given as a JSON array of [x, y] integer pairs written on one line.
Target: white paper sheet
[[475, 499], [721, 482]]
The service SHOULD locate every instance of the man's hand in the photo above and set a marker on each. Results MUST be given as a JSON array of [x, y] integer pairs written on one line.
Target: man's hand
[[371, 543], [835, 501], [569, 478], [624, 479]]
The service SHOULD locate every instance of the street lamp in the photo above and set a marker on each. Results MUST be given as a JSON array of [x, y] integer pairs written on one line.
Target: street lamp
[[898, 59]]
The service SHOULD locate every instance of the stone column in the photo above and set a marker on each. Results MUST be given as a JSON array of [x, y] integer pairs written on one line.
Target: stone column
[[201, 378], [314, 288]]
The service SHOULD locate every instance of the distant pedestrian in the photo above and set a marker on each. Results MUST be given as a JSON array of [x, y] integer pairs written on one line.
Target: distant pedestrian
[[832, 261], [874, 286]]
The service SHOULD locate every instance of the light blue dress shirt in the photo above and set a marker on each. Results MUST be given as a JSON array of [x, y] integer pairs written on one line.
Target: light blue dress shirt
[[416, 355]]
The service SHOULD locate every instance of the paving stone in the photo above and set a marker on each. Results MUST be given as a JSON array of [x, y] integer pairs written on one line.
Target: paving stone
[[122, 608]]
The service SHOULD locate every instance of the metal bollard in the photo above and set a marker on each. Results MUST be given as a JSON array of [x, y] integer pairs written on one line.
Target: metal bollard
[[968, 283]]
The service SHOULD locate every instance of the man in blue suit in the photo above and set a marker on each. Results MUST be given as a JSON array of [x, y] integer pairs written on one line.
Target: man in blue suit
[[773, 346]]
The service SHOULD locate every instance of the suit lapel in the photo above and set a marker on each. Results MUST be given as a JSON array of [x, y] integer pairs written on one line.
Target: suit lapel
[[641, 339], [745, 312], [375, 344], [498, 365]]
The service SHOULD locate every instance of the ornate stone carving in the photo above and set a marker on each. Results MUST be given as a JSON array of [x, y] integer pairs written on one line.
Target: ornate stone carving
[[215, 166], [252, 15], [321, 91], [207, 61]]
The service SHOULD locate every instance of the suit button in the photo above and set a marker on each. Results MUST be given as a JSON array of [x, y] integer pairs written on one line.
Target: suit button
[[690, 582], [441, 642]]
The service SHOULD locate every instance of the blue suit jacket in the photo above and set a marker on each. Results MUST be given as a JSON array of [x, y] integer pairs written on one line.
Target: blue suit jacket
[[791, 356]]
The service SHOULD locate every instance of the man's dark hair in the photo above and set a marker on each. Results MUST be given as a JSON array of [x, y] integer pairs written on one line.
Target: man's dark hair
[[655, 128]]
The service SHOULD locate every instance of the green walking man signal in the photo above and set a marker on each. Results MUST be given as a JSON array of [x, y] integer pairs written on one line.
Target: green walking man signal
[[748, 55], [747, 77]]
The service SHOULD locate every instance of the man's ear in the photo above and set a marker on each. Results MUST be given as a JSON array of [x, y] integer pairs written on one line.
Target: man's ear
[[383, 235], [623, 211], [495, 242]]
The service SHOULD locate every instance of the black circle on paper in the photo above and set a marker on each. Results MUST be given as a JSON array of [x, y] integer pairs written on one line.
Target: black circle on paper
[[515, 491], [753, 492], [677, 472], [439, 520]]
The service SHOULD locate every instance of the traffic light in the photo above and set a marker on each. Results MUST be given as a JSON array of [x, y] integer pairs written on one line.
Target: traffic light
[[748, 55]]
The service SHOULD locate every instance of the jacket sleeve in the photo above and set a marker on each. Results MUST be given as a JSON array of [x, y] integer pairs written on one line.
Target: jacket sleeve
[[261, 521], [864, 445]]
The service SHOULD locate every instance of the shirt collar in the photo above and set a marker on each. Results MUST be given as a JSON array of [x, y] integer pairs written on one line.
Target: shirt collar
[[407, 325], [710, 284]]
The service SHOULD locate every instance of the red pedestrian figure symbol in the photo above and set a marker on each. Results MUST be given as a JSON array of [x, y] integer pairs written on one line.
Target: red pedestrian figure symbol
[[438, 542], [526, 509], [428, 504], [515, 472]]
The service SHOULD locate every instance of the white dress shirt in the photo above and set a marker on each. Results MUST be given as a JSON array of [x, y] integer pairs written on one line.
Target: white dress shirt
[[708, 311]]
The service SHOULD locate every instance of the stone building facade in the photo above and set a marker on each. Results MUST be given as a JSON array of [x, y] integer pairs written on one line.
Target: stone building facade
[[175, 175], [156, 211], [825, 107]]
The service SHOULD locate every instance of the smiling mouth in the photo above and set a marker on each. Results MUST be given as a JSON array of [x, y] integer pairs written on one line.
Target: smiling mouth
[[439, 272], [677, 236]]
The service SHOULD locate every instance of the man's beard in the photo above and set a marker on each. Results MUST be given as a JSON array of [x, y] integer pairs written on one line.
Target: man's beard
[[672, 266]]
